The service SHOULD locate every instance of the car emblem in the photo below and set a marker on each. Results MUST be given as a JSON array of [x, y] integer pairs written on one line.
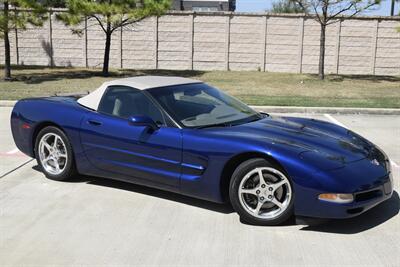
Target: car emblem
[[375, 162]]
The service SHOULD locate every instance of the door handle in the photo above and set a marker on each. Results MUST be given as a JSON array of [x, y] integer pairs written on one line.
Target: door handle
[[94, 122]]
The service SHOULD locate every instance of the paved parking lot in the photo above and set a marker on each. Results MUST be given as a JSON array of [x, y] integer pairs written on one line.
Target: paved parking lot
[[94, 221]]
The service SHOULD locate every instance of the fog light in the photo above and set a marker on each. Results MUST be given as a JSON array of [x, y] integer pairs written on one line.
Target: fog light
[[337, 198]]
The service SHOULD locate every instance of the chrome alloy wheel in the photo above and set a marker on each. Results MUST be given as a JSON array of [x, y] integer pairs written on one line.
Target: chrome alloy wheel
[[53, 153], [265, 193]]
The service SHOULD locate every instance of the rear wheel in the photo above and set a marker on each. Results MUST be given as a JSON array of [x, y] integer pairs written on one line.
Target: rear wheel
[[54, 155], [261, 193]]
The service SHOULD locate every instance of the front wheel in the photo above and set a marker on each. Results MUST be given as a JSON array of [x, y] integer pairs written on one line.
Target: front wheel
[[54, 155], [261, 193]]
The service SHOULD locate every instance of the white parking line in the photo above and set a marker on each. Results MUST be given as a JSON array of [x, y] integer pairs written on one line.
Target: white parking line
[[394, 164], [15, 150], [12, 153], [335, 121]]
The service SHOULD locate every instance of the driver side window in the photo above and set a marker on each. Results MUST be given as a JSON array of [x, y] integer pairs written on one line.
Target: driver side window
[[124, 102]]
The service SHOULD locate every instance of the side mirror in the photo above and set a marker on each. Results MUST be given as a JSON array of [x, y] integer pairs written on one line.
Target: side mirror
[[142, 120]]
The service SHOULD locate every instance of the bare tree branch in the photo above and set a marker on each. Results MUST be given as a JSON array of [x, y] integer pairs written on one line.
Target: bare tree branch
[[317, 13], [340, 12], [362, 9]]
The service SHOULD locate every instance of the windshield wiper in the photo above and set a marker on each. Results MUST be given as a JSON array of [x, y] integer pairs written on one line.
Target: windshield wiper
[[214, 125], [233, 123]]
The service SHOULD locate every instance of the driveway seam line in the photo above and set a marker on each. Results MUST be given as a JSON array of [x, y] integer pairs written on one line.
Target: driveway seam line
[[16, 168]]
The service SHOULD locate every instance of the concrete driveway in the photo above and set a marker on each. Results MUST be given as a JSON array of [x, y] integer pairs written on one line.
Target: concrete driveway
[[93, 221]]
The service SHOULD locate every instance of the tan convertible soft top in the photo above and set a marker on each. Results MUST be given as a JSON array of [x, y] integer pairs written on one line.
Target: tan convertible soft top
[[92, 100]]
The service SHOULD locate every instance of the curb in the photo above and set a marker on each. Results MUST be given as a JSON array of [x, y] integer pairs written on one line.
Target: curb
[[281, 109], [7, 103]]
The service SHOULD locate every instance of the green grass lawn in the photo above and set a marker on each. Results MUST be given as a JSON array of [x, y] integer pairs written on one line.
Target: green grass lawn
[[255, 88]]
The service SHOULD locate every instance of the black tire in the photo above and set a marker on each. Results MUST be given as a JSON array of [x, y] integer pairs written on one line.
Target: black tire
[[70, 169], [239, 174]]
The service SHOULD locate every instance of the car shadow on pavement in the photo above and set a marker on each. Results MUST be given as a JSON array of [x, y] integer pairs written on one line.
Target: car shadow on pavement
[[370, 219], [216, 207]]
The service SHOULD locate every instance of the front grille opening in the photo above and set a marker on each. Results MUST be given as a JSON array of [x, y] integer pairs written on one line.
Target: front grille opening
[[368, 195], [355, 210]]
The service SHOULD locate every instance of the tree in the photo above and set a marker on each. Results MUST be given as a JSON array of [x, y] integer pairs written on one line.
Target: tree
[[17, 14], [327, 12], [111, 15], [286, 6]]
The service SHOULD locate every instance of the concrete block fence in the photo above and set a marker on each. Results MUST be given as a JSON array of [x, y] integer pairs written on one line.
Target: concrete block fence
[[219, 41]]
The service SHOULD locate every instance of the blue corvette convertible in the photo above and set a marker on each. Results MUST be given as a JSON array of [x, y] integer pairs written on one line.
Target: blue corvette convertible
[[185, 136]]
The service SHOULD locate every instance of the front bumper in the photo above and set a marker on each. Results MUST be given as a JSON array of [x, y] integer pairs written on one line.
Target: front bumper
[[363, 201]]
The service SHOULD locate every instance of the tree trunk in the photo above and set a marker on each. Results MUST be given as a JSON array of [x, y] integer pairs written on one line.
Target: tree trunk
[[7, 56], [107, 53], [392, 8], [321, 68]]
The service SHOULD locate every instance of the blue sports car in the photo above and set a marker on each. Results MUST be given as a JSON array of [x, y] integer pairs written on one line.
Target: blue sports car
[[185, 136]]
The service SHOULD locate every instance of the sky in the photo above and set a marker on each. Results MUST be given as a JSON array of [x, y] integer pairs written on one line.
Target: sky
[[262, 5]]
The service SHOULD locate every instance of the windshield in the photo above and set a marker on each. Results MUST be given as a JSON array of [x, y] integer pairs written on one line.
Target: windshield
[[200, 105]]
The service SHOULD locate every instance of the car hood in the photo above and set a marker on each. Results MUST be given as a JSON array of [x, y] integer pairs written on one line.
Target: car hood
[[314, 140]]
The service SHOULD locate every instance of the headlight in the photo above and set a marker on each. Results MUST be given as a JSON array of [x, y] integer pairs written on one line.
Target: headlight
[[323, 160], [336, 198]]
